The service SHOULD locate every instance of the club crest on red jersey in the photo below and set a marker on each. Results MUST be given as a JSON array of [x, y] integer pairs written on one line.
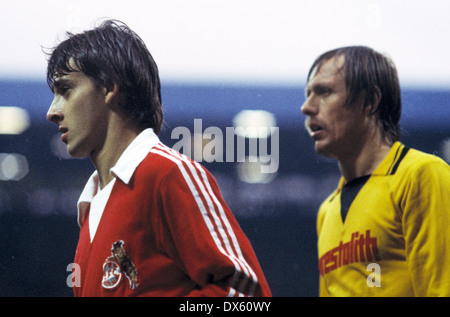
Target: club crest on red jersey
[[117, 265], [112, 275]]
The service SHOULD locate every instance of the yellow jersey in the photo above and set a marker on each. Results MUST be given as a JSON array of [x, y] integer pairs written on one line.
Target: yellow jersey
[[387, 234]]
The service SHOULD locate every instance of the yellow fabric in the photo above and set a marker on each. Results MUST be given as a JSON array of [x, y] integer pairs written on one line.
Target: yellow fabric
[[400, 220]]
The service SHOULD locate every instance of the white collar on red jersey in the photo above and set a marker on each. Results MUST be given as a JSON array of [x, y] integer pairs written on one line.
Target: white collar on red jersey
[[124, 169]]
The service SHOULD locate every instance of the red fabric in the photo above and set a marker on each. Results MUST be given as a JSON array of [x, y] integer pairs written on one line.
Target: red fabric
[[178, 235]]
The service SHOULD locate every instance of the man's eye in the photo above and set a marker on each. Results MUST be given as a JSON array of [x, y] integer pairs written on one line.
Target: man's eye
[[63, 90], [324, 91]]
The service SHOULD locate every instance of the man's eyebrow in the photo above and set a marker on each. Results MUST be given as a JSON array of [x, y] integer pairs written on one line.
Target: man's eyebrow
[[60, 82], [317, 87]]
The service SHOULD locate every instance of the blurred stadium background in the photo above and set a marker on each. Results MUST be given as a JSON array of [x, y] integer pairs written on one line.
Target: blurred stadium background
[[217, 58]]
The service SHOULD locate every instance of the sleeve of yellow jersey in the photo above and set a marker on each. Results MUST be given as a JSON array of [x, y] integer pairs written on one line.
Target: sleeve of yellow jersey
[[322, 288], [426, 222]]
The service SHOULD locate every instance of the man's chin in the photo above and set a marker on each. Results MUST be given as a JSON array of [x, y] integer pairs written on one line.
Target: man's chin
[[76, 153], [322, 149]]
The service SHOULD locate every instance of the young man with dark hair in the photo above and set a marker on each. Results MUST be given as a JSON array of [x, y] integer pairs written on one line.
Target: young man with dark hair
[[152, 222], [384, 230]]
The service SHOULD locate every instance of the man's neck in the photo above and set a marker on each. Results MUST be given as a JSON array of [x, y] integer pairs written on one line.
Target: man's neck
[[364, 161], [116, 142]]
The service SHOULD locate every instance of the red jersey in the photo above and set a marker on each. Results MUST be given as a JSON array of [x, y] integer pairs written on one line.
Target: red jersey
[[167, 231]]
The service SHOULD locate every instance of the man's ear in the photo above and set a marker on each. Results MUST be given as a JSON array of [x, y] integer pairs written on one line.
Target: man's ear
[[112, 93], [371, 106]]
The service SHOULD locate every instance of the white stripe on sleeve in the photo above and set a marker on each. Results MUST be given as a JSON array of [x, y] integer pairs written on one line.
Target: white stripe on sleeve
[[225, 239]]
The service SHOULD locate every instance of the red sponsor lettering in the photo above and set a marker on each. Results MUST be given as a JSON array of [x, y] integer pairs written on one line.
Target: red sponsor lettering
[[360, 248]]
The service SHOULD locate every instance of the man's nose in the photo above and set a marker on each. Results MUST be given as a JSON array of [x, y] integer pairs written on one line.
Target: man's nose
[[308, 108], [54, 113]]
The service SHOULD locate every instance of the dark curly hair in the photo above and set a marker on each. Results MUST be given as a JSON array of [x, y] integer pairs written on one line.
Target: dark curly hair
[[113, 54]]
